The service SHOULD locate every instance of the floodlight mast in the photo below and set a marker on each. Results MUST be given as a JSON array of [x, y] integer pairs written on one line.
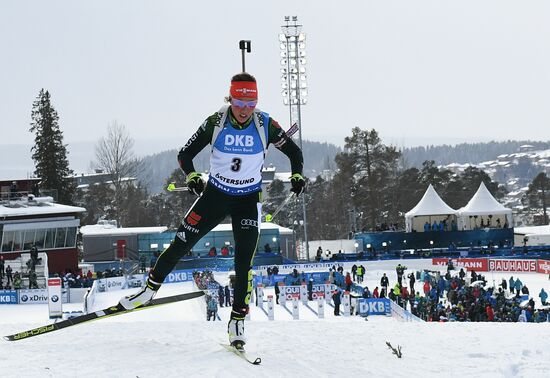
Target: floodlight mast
[[294, 83], [245, 46]]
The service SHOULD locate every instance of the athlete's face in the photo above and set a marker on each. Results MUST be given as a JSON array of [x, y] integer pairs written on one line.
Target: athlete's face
[[243, 107]]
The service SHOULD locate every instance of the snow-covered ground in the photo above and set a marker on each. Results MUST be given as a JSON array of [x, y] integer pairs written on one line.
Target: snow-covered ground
[[176, 341]]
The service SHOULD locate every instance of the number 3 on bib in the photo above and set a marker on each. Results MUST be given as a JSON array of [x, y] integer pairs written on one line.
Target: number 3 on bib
[[236, 164]]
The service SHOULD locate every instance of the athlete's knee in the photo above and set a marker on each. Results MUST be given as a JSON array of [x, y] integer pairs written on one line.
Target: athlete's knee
[[175, 250]]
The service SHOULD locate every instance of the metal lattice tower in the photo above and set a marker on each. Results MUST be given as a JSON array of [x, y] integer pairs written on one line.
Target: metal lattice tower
[[294, 84]]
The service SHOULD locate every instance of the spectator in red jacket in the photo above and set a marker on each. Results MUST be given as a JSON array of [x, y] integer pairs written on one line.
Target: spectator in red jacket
[[404, 293], [490, 313], [375, 293], [348, 281], [426, 288]]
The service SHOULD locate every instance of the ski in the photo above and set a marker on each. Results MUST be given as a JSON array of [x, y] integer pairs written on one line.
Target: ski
[[242, 353], [101, 314]]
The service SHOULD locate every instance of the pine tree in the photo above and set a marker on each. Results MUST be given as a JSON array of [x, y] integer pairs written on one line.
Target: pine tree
[[537, 197], [98, 201], [370, 167], [49, 152]]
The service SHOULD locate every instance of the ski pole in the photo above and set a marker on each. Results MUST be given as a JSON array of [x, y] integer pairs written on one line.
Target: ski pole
[[269, 217], [173, 188]]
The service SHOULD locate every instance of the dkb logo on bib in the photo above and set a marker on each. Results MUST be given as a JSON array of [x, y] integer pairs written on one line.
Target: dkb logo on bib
[[239, 140]]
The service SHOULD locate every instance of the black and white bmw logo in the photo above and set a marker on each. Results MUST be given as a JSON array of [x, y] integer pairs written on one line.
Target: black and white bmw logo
[[24, 298], [55, 298]]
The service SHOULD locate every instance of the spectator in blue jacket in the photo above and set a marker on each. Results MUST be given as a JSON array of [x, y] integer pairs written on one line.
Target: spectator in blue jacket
[[543, 296], [337, 301], [433, 294], [211, 309], [441, 286], [518, 285]]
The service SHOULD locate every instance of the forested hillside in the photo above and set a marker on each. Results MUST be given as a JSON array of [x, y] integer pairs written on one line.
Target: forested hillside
[[465, 152]]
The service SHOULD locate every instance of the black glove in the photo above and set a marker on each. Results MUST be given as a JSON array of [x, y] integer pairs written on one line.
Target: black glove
[[195, 185], [298, 184]]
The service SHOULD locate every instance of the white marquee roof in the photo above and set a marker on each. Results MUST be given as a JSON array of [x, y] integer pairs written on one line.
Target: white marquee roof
[[483, 203], [430, 204]]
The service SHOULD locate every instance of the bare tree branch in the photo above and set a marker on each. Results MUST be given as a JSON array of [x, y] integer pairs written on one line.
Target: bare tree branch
[[115, 156]]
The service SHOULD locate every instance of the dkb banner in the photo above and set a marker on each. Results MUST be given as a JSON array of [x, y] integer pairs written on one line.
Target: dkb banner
[[374, 306], [8, 297]]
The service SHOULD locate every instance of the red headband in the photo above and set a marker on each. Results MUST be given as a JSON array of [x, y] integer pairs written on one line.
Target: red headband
[[243, 89]]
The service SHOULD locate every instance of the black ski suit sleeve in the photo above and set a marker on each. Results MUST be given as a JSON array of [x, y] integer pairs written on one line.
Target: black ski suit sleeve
[[286, 145], [195, 144]]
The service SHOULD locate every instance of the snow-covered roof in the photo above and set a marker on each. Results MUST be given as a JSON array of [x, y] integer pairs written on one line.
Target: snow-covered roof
[[265, 226], [283, 176], [483, 202], [533, 230], [515, 193], [107, 229], [38, 206], [430, 204]]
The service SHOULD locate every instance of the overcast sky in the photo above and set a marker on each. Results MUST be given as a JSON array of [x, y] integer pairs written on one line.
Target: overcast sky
[[417, 71]]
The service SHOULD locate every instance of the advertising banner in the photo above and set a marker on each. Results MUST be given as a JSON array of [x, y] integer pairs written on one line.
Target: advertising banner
[[477, 264], [328, 291], [55, 306], [320, 308], [282, 295], [299, 267], [34, 296], [318, 291], [543, 266], [509, 265], [179, 276], [111, 284], [260, 296], [291, 292], [374, 306], [8, 297], [270, 310], [346, 303], [295, 308], [303, 294]]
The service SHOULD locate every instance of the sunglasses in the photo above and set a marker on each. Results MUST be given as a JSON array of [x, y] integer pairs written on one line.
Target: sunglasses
[[243, 104]]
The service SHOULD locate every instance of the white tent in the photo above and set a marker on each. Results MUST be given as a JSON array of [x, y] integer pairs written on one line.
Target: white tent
[[430, 208], [482, 211]]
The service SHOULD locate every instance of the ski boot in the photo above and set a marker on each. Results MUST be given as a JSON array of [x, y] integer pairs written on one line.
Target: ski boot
[[235, 328], [141, 298]]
